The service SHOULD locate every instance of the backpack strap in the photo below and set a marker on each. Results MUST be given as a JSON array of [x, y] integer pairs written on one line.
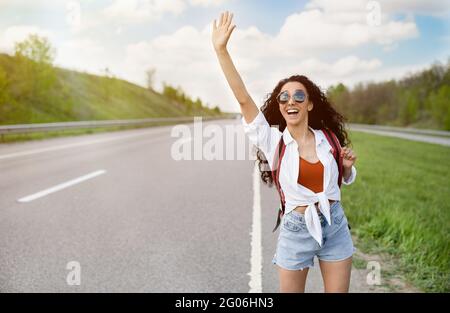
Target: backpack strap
[[334, 142], [336, 150], [278, 157]]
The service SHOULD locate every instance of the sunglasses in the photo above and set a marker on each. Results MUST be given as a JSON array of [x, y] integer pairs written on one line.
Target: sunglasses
[[299, 97]]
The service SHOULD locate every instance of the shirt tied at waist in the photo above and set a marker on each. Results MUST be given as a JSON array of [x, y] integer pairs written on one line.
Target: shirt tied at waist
[[312, 219]]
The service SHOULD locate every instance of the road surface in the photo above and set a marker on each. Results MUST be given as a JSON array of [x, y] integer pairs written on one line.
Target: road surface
[[134, 219]]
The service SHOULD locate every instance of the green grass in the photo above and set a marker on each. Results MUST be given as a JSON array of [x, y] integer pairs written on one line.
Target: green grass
[[400, 204], [359, 263]]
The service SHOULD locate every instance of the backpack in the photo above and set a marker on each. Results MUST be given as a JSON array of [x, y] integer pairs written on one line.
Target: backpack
[[336, 150]]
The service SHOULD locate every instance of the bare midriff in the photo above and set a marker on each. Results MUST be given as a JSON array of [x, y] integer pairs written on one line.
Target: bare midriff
[[302, 208]]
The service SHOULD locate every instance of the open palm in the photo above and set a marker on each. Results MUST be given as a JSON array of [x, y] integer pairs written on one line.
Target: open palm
[[222, 31]]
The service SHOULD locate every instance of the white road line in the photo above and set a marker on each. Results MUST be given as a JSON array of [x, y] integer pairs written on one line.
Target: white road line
[[72, 145], [56, 188], [256, 244]]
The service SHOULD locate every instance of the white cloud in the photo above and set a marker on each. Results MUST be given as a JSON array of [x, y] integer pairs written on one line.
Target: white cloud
[[142, 10], [427, 7], [325, 30], [17, 33], [315, 29], [83, 54], [186, 58], [138, 11], [345, 66], [182, 58], [207, 3], [419, 7], [26, 3], [385, 73], [79, 19]]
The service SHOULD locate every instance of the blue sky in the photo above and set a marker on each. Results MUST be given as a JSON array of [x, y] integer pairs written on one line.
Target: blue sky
[[330, 41]]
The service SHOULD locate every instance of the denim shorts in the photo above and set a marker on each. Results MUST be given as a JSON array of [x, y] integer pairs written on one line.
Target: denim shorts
[[296, 248]]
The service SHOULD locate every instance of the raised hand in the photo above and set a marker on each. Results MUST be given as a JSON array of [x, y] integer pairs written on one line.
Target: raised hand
[[222, 31]]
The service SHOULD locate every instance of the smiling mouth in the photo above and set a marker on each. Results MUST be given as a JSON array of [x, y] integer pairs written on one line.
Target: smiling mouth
[[292, 112]]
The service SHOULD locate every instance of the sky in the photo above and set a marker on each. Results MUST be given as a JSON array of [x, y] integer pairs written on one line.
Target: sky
[[329, 41]]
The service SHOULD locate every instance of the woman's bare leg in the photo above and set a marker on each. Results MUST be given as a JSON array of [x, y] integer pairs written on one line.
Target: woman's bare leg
[[336, 275], [292, 281]]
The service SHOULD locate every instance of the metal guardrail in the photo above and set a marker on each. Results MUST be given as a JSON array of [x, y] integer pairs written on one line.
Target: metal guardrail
[[45, 127], [419, 131]]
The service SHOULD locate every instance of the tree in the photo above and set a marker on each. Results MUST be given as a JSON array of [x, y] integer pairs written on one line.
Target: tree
[[440, 106], [178, 95], [35, 48], [107, 83], [189, 106], [4, 97], [34, 75], [169, 91], [409, 105], [339, 96], [150, 77], [3, 86], [198, 105]]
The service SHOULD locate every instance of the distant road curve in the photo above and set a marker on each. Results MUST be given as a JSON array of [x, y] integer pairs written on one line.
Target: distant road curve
[[405, 133], [419, 131]]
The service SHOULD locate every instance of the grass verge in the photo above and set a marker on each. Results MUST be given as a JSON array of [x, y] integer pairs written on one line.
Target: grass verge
[[400, 205]]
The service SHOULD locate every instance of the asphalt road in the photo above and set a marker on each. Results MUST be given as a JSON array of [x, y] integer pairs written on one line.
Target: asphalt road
[[143, 222]]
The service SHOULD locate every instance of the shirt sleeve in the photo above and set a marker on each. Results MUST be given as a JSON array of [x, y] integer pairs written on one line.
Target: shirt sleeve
[[262, 135], [352, 177]]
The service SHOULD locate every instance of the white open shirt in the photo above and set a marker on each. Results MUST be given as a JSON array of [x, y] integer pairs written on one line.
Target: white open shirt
[[266, 138]]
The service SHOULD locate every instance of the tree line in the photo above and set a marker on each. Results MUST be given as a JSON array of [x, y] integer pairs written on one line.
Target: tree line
[[418, 100], [177, 94]]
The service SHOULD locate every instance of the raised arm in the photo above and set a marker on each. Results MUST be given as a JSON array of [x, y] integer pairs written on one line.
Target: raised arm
[[220, 35]]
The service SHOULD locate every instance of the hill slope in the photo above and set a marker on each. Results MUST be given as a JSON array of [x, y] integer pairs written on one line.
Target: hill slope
[[28, 95]]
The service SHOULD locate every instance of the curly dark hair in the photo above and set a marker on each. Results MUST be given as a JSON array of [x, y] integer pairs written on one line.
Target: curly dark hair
[[323, 115]]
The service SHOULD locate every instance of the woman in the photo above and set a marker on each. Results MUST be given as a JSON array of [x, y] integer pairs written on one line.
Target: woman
[[314, 223]]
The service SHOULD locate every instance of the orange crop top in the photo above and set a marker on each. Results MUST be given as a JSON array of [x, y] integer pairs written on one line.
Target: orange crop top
[[311, 175]]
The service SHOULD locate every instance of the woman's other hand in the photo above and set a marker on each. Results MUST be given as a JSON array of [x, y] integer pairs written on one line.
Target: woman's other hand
[[349, 157]]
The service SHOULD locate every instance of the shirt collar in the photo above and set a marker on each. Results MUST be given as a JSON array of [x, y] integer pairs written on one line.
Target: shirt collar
[[318, 135]]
